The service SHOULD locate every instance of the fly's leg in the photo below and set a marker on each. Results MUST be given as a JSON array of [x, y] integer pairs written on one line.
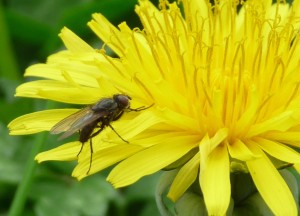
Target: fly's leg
[[91, 146], [140, 108], [109, 125], [118, 116], [80, 147], [91, 156], [106, 122]]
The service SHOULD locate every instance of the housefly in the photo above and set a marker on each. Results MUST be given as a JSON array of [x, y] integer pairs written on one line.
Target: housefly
[[96, 116]]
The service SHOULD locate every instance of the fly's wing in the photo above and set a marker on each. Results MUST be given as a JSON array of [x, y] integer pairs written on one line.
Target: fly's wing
[[75, 122]]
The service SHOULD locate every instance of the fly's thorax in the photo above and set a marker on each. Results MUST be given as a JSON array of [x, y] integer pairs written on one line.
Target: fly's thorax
[[104, 105]]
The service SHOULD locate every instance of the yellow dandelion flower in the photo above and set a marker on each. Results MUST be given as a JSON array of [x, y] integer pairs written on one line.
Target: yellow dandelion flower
[[223, 78]]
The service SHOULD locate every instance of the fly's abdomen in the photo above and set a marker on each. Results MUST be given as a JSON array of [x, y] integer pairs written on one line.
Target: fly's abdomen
[[86, 132]]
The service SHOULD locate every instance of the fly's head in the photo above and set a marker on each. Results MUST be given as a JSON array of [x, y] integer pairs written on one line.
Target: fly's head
[[123, 101]]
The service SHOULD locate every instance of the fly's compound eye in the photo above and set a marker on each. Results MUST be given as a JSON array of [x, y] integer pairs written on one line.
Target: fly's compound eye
[[122, 101]]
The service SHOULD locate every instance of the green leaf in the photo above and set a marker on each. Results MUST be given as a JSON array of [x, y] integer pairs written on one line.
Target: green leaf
[[91, 196]]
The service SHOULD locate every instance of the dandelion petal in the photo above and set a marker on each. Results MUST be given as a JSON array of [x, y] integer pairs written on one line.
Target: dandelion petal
[[278, 150], [66, 152], [38, 121], [184, 178], [150, 160], [271, 185], [215, 181]]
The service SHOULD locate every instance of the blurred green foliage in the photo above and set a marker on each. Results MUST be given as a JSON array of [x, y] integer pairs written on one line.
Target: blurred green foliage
[[28, 34]]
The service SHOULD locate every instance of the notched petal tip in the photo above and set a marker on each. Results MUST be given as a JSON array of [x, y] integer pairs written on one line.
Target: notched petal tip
[[37, 121], [80, 176], [19, 126], [73, 42], [39, 158]]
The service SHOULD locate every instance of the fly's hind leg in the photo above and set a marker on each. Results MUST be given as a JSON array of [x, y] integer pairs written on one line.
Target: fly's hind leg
[[91, 156], [80, 148], [91, 146]]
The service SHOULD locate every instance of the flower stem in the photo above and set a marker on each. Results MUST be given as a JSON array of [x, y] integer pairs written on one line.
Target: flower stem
[[8, 64], [22, 191]]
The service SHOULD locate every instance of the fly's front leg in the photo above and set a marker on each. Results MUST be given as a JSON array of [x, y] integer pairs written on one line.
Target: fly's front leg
[[109, 125], [140, 108], [118, 116]]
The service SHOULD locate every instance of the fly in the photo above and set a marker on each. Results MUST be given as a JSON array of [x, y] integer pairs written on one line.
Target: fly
[[99, 115]]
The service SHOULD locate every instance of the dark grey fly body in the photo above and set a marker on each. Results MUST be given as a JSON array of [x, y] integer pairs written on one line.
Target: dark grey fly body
[[98, 115]]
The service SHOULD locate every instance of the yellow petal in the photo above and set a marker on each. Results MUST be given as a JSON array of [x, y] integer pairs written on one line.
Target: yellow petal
[[179, 120], [215, 181], [66, 152], [132, 127], [81, 74], [278, 150], [59, 91], [208, 145], [73, 42], [271, 185], [104, 158], [140, 53], [184, 178], [249, 114], [38, 121], [150, 160], [108, 33], [280, 122], [289, 137], [240, 151]]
